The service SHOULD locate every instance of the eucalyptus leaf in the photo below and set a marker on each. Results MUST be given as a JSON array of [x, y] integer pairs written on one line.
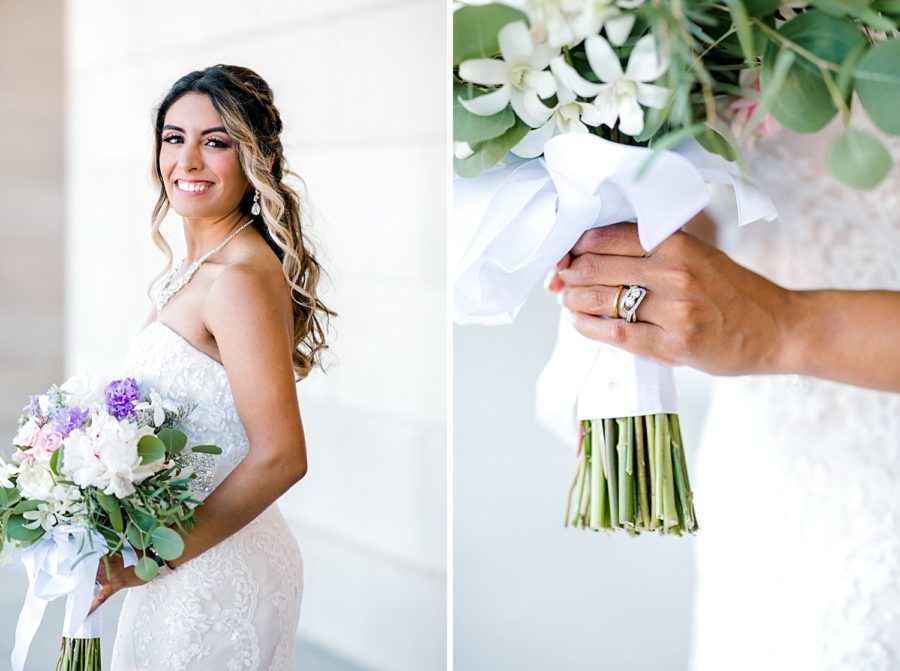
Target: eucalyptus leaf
[[12, 495], [145, 521], [796, 97], [475, 30], [150, 449], [761, 7], [146, 569], [15, 530], [878, 85], [207, 449], [471, 128], [713, 141], [828, 37], [173, 439], [133, 534], [26, 505], [858, 159], [167, 543], [490, 153]]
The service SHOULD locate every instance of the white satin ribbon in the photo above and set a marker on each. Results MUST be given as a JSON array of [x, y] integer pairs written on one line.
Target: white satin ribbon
[[51, 574], [515, 222]]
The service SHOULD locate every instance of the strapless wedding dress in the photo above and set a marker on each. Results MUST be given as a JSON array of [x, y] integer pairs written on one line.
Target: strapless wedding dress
[[797, 480], [237, 605]]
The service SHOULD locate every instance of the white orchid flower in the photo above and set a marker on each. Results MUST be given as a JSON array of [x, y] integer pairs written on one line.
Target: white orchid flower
[[157, 406], [521, 75], [569, 116], [593, 15], [620, 94], [7, 471], [44, 517], [551, 21]]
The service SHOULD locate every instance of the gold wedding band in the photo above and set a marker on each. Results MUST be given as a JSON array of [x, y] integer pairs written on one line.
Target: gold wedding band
[[616, 301]]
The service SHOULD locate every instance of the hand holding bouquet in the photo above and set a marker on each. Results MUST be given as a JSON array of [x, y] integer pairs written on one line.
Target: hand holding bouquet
[[574, 114], [97, 472]]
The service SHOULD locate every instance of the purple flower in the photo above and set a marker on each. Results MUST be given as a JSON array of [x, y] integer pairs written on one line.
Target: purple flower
[[69, 419], [121, 396], [34, 406]]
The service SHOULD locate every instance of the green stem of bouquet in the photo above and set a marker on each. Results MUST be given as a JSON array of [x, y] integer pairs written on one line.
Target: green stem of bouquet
[[79, 654], [632, 474]]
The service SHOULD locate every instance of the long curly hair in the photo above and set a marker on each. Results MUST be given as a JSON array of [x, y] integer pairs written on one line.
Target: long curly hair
[[245, 102]]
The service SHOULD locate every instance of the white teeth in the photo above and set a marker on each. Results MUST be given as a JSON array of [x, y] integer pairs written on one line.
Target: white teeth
[[187, 186]]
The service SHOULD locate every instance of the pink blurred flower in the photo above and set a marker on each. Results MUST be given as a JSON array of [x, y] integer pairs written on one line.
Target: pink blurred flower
[[28, 434], [740, 110]]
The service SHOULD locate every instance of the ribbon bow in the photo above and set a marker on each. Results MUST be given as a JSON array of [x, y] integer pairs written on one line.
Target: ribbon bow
[[54, 571], [520, 219]]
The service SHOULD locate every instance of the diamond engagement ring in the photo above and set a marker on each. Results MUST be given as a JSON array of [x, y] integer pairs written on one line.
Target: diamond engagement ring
[[630, 302]]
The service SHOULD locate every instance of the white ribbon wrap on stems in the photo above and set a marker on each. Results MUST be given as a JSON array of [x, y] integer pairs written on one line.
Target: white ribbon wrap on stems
[[516, 221], [51, 574]]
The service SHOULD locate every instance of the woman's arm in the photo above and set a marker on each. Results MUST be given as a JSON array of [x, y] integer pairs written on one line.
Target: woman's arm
[[255, 340], [704, 310]]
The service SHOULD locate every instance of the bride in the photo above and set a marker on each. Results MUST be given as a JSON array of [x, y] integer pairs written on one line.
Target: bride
[[233, 328]]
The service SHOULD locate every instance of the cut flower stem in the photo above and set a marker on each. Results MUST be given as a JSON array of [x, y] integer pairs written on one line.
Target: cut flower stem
[[632, 475]]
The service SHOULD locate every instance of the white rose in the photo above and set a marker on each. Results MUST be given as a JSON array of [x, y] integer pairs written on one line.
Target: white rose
[[105, 455], [34, 481], [85, 391]]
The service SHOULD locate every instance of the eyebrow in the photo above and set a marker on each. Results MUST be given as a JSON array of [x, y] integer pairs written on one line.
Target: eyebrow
[[217, 129]]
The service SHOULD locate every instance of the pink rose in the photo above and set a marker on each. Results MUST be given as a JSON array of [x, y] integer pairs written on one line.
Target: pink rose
[[28, 434], [49, 440]]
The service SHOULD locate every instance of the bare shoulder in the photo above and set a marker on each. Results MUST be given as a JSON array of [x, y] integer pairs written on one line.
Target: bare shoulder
[[251, 292]]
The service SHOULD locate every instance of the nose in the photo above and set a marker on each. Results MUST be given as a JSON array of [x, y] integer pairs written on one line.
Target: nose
[[189, 158]]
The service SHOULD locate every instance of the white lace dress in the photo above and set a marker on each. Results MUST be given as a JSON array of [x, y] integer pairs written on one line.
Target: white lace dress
[[797, 480], [236, 606]]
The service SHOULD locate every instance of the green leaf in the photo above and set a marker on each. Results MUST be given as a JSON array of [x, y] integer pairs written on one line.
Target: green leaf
[[712, 141], [151, 449], [167, 543], [878, 85], [133, 534], [145, 521], [761, 7], [110, 504], [54, 462], [15, 530], [146, 569], [471, 128], [475, 30], [12, 495], [827, 37], [490, 153], [26, 505], [800, 100], [207, 449], [173, 439], [743, 28], [858, 159]]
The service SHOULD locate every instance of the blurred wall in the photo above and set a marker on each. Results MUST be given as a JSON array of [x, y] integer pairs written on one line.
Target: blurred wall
[[359, 84], [530, 594], [31, 203]]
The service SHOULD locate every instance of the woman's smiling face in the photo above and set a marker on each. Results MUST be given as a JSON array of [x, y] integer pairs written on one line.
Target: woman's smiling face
[[199, 161]]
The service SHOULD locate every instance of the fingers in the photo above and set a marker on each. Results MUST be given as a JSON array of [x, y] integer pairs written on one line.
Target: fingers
[[638, 338], [100, 597], [601, 300], [616, 240], [591, 269]]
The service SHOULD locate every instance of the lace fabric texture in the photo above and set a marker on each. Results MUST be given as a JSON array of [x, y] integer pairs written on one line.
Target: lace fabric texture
[[237, 605], [796, 479]]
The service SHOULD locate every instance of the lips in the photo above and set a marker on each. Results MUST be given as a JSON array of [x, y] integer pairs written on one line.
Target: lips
[[193, 186]]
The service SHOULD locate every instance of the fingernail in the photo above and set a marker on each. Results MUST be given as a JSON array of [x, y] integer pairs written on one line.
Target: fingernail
[[548, 279]]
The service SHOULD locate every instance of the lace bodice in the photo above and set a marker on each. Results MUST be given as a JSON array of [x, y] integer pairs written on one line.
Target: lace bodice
[[236, 606], [161, 359], [798, 555]]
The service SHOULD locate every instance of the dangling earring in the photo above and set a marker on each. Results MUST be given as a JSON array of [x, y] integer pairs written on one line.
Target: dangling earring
[[255, 209]]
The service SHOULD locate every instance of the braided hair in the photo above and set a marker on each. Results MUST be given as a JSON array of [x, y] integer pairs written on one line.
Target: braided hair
[[245, 103]]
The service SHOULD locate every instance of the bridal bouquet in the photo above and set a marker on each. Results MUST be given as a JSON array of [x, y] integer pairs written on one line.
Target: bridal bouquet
[[573, 114], [96, 472]]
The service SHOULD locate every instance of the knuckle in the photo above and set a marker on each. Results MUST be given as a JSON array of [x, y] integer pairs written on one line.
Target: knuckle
[[681, 279], [596, 300], [618, 332]]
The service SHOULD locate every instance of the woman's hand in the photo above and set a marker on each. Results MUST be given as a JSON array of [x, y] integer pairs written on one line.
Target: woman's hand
[[701, 309], [119, 577]]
